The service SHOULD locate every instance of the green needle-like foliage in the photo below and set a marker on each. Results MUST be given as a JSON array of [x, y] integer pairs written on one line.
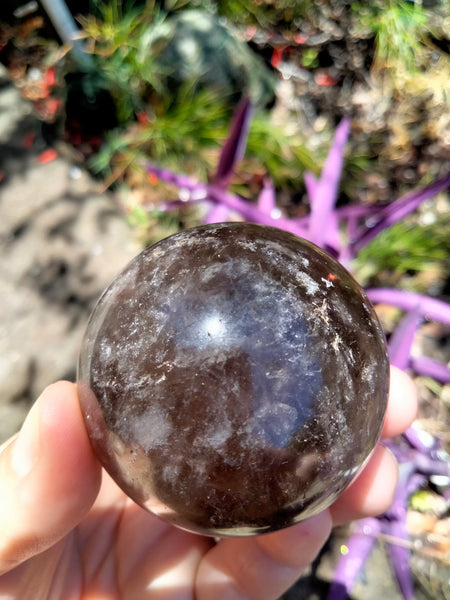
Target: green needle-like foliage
[[399, 28], [406, 248]]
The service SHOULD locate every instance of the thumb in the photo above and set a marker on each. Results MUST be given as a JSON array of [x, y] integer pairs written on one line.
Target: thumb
[[49, 477]]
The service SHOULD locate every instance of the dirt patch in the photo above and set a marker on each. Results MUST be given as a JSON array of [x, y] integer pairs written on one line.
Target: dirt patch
[[62, 241]]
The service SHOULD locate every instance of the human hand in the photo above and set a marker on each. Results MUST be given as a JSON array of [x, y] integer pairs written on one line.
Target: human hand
[[69, 533]]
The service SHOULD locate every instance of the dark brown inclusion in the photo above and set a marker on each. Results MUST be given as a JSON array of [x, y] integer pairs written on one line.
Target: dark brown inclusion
[[233, 379]]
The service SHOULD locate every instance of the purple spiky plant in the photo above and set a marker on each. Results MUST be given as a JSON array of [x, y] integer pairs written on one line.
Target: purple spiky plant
[[344, 232]]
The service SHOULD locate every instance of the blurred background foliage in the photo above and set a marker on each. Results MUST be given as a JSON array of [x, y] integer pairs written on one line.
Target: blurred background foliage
[[175, 70]]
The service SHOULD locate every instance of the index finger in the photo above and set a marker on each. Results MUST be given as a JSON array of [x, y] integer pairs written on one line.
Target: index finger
[[402, 404]]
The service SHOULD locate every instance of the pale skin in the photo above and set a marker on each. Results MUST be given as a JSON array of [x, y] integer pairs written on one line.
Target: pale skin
[[67, 532]]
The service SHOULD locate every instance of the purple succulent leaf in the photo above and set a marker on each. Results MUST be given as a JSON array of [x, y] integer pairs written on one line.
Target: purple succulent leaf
[[358, 211], [345, 257], [179, 179], [420, 440], [423, 365], [409, 482], [167, 206], [399, 555], [394, 522], [333, 236], [350, 216], [302, 222], [196, 191], [325, 193], [311, 184], [394, 525], [234, 147], [251, 212], [446, 493], [358, 548], [421, 452], [431, 309], [218, 213], [401, 341], [352, 229], [344, 212], [398, 209], [267, 198], [432, 466], [415, 482], [415, 464], [402, 452]]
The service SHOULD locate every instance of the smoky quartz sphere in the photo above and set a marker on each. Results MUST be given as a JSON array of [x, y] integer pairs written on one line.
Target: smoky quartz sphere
[[233, 379]]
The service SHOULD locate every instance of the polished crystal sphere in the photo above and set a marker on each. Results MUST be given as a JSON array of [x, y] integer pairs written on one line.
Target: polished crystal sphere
[[233, 379]]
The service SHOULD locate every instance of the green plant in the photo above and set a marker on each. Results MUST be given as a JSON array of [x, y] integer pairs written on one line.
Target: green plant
[[179, 130], [119, 41], [264, 13], [151, 226], [181, 126], [185, 132], [310, 58], [405, 248], [399, 28]]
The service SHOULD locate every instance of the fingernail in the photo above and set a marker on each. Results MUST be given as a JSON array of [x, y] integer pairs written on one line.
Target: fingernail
[[25, 451]]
